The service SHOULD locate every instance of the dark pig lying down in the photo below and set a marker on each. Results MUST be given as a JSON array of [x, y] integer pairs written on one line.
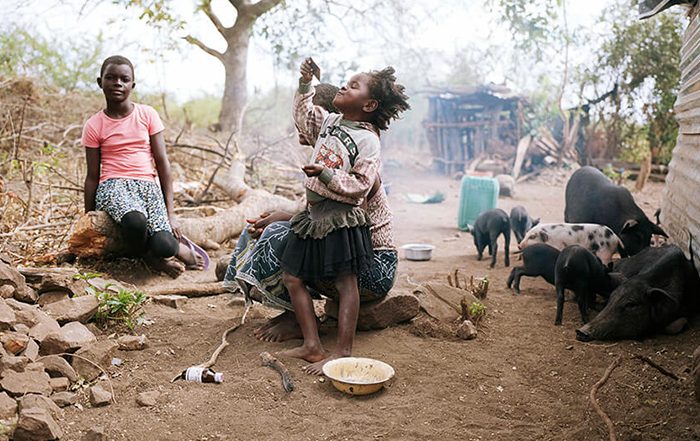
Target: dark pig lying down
[[487, 227], [662, 289]]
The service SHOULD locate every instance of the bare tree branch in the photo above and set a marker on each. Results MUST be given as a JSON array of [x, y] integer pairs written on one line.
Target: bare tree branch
[[206, 8], [193, 40], [261, 7]]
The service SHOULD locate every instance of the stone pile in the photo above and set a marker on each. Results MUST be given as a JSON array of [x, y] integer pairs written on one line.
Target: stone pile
[[43, 321]]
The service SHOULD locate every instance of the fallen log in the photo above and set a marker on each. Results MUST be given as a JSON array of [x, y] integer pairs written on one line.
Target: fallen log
[[97, 235], [190, 290]]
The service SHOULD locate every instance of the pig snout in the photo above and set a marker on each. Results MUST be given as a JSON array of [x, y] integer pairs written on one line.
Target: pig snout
[[582, 334]]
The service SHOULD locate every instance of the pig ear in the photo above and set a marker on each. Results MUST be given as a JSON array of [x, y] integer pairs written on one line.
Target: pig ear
[[535, 221], [631, 223], [616, 279], [655, 229], [662, 304]]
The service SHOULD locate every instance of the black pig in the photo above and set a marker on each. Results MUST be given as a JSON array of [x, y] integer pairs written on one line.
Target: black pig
[[582, 272], [592, 198], [662, 289], [487, 227], [538, 260], [521, 222]]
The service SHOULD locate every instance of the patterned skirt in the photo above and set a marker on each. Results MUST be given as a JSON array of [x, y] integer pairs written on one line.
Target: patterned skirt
[[255, 269], [119, 196]]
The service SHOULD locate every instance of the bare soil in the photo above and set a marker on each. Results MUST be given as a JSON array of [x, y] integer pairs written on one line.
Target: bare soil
[[522, 379]]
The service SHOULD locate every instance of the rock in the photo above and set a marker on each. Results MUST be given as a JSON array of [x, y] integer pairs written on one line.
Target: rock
[[9, 276], [36, 424], [35, 367], [95, 434], [7, 316], [696, 372], [221, 266], [78, 309], [132, 342], [40, 331], [57, 366], [64, 399], [506, 185], [7, 291], [17, 364], [148, 399], [51, 297], [172, 301], [100, 352], [395, 308], [466, 330], [8, 407], [63, 282], [14, 342], [26, 295], [71, 336], [21, 328], [34, 400], [20, 383], [32, 350], [99, 396], [59, 384]]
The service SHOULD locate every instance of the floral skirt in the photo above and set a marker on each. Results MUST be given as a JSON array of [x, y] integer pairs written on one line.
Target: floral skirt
[[255, 269], [119, 196]]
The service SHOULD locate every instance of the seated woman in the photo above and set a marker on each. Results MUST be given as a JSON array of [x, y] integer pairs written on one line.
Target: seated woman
[[255, 266]]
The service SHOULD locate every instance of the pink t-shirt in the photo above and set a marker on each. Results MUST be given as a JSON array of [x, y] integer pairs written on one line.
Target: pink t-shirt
[[125, 143]]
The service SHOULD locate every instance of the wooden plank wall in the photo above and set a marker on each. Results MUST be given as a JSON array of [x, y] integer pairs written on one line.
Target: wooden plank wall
[[680, 208]]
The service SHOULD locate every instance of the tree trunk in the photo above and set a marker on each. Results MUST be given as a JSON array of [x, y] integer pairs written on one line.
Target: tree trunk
[[644, 172], [235, 62], [96, 234]]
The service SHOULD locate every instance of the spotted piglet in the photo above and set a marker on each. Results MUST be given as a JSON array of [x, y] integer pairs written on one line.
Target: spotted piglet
[[598, 239]]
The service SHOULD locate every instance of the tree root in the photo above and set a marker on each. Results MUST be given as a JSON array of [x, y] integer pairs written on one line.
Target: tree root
[[594, 401], [270, 361]]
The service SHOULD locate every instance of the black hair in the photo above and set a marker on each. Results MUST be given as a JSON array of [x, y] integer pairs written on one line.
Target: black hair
[[391, 98], [116, 59], [325, 93]]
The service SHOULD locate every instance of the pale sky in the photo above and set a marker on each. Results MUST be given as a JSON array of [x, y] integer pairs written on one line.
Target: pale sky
[[191, 72]]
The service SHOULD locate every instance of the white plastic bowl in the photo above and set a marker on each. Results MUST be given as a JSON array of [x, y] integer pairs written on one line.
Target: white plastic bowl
[[418, 251]]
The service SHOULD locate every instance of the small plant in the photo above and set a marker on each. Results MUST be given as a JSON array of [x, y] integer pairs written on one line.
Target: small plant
[[477, 311], [617, 176], [119, 307], [86, 276]]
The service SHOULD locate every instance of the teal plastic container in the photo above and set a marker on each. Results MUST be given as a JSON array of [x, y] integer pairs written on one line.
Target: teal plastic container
[[477, 194]]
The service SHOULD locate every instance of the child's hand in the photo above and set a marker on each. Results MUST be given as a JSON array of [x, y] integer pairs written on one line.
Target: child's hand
[[313, 169], [306, 71]]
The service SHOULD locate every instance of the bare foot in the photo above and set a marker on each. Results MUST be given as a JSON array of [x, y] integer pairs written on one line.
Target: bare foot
[[191, 259], [317, 368], [281, 328], [170, 266], [312, 355]]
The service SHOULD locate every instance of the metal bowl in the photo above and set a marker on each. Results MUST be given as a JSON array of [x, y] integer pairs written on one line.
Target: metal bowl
[[357, 375], [418, 251]]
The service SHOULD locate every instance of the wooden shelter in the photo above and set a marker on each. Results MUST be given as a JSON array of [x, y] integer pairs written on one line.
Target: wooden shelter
[[466, 123]]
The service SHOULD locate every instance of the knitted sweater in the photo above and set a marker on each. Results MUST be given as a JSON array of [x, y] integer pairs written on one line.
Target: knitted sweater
[[340, 180]]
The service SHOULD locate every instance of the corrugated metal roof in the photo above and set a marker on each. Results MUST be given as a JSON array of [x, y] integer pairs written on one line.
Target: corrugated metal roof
[[680, 208]]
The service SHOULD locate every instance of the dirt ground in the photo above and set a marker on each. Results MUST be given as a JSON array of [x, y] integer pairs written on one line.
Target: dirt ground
[[522, 379]]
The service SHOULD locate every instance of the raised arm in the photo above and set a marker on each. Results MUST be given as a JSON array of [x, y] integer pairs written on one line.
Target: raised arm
[[308, 118]]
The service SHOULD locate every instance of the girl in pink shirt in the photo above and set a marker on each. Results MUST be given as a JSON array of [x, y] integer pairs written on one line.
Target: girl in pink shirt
[[125, 152]]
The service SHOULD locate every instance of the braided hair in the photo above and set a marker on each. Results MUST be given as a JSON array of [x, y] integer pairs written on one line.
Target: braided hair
[[391, 97]]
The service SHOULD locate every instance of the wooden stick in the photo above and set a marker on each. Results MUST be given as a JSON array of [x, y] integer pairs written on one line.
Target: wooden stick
[[270, 361], [594, 401], [212, 360], [659, 368], [191, 290]]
